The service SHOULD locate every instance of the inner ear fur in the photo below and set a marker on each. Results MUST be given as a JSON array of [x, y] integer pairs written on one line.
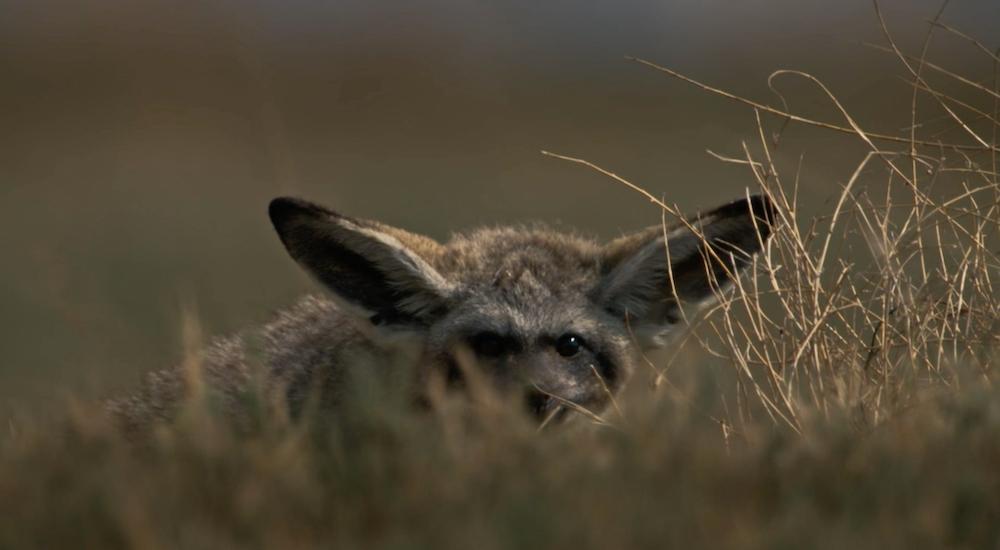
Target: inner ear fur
[[704, 255], [378, 270]]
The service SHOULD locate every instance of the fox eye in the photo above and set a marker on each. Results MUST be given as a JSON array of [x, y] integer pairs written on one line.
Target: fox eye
[[569, 345], [487, 344]]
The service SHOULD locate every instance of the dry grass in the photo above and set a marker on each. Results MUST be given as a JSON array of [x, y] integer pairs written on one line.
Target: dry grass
[[855, 405]]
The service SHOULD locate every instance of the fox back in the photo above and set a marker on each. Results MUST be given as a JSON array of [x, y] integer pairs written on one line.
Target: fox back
[[556, 319]]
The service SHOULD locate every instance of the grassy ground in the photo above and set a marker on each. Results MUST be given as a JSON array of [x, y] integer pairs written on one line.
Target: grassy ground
[[386, 479], [844, 397]]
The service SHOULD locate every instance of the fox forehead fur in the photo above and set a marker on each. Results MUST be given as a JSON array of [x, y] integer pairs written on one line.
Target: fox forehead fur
[[555, 317]]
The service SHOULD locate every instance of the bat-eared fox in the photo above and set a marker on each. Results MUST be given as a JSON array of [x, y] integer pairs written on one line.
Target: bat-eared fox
[[554, 320]]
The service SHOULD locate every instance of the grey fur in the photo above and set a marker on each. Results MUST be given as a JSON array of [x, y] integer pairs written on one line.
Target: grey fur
[[515, 297]]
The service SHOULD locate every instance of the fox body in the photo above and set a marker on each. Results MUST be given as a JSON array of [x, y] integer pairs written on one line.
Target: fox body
[[557, 319]]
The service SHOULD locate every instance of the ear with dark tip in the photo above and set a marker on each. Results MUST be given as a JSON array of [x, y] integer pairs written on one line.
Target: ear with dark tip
[[638, 285], [379, 271]]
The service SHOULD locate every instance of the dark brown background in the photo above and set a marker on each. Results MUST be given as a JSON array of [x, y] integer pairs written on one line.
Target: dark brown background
[[141, 140]]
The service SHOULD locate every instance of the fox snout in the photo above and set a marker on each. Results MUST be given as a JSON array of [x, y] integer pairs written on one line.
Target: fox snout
[[547, 386]]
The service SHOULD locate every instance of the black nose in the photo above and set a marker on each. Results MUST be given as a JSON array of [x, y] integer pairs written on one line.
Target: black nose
[[539, 404]]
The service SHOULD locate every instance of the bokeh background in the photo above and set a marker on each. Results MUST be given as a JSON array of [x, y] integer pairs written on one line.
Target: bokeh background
[[141, 140]]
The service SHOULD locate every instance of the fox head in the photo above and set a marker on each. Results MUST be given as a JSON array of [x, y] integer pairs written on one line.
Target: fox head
[[556, 318]]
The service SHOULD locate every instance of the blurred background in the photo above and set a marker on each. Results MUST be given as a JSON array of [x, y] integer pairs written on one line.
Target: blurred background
[[140, 141]]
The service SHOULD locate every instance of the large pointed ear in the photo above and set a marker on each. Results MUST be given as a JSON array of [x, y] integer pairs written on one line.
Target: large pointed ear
[[649, 276], [372, 268]]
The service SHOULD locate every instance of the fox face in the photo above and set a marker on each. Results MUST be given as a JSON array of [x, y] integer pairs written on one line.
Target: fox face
[[556, 319]]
